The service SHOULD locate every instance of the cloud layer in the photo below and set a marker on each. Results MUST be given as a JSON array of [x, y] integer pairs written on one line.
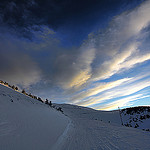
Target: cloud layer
[[16, 66], [106, 69], [116, 49]]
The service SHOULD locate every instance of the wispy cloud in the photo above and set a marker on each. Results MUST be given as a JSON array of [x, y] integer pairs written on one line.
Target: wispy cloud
[[98, 88], [119, 42], [114, 64], [73, 70], [122, 102], [124, 89], [83, 63], [107, 53], [115, 49]]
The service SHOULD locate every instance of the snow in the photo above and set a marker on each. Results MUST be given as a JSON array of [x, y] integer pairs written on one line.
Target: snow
[[91, 130], [27, 124], [137, 116]]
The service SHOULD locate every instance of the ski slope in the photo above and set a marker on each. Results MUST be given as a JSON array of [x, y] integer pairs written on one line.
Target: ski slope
[[27, 124], [100, 130]]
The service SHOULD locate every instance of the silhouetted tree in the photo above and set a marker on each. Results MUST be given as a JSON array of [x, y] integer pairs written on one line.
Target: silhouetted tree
[[31, 95], [46, 101], [5, 83], [50, 103], [1, 81], [136, 125], [16, 88], [13, 87], [35, 97], [40, 99], [59, 109], [23, 91]]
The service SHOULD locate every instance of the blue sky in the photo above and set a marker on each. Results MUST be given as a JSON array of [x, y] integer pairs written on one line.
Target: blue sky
[[88, 53]]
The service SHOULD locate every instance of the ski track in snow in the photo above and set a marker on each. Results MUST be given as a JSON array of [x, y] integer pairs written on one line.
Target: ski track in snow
[[63, 138], [87, 133], [27, 124]]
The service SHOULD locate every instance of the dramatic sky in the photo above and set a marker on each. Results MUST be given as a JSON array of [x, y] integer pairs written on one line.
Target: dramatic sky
[[93, 53]]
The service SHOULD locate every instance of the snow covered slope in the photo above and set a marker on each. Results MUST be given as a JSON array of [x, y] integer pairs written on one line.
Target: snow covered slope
[[100, 130], [137, 117], [27, 124]]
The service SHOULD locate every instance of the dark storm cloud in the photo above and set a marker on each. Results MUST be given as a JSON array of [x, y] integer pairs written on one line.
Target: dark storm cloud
[[26, 15]]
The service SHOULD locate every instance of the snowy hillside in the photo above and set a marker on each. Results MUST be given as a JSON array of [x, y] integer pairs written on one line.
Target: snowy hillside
[[100, 130], [27, 124], [74, 111], [137, 117]]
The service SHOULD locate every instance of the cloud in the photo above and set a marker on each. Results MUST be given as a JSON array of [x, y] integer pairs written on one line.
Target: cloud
[[73, 70], [19, 68], [23, 15], [87, 72], [98, 88], [27, 62], [111, 51], [120, 41], [115, 49], [121, 62], [113, 65], [106, 53], [83, 63], [135, 60], [124, 102], [79, 79], [124, 89]]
